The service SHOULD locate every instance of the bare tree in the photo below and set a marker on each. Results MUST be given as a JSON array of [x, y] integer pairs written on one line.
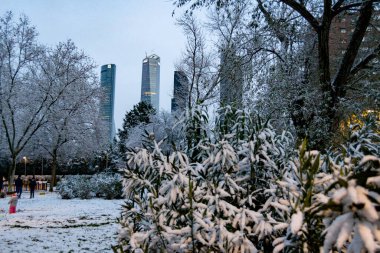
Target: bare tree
[[291, 26], [23, 102], [197, 64], [40, 88], [70, 121]]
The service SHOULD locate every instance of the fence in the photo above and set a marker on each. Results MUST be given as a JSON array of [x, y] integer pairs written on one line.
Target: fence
[[42, 184]]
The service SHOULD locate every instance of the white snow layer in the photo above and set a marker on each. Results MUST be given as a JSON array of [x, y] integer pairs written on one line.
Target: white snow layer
[[48, 223]]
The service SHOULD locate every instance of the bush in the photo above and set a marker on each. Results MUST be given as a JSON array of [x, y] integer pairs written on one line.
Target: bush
[[75, 186], [253, 193], [65, 188], [107, 185]]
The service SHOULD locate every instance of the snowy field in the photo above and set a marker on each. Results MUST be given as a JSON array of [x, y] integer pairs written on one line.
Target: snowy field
[[48, 223]]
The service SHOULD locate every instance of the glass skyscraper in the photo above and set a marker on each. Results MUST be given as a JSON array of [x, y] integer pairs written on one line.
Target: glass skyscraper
[[150, 81], [231, 78], [107, 82], [181, 92]]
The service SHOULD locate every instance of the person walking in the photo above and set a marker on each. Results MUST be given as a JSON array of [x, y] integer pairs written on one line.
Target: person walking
[[13, 203], [32, 186], [18, 183]]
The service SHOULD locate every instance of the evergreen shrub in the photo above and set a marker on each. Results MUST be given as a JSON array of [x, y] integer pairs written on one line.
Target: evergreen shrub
[[105, 185], [245, 188]]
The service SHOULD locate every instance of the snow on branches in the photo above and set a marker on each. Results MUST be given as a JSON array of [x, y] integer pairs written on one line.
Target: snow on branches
[[245, 189]]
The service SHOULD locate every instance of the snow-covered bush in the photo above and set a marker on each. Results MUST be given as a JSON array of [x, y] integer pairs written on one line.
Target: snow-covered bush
[[107, 185], [334, 197], [76, 186], [66, 187], [243, 188], [207, 198]]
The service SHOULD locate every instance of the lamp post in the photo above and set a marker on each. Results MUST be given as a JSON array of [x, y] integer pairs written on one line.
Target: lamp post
[[24, 163]]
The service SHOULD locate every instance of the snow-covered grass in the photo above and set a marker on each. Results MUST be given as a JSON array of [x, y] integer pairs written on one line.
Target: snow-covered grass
[[48, 223]]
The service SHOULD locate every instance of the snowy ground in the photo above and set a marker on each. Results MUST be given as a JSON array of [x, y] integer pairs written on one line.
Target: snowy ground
[[48, 223]]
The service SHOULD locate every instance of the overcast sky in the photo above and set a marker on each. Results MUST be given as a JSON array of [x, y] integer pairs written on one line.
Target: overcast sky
[[112, 31]]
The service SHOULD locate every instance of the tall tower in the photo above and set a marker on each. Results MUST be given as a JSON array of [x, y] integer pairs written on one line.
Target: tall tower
[[107, 82], [181, 92], [150, 81], [231, 77]]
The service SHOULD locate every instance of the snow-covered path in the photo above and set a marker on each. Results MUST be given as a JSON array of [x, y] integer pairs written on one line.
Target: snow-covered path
[[48, 223]]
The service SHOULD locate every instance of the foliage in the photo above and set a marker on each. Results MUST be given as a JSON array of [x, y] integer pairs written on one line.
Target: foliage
[[166, 127], [106, 185], [48, 97], [246, 189], [140, 114], [293, 64], [75, 186]]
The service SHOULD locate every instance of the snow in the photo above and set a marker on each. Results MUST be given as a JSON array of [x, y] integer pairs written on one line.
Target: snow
[[48, 223], [296, 222]]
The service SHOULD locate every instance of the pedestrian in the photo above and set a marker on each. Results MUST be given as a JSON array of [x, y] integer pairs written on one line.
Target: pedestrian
[[13, 203], [32, 186], [18, 184]]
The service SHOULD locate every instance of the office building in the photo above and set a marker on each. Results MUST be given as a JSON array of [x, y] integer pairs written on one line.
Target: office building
[[180, 93], [150, 81], [231, 78], [107, 83]]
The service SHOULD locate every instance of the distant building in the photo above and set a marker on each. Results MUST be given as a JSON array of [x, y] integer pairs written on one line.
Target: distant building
[[150, 81], [107, 82], [180, 93], [231, 77], [342, 28]]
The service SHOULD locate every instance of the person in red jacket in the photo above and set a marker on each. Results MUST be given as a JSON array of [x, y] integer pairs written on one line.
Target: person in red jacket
[[13, 203]]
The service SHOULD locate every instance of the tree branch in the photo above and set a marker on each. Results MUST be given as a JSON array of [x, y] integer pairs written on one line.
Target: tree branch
[[352, 49], [303, 12], [350, 6], [337, 5], [364, 63]]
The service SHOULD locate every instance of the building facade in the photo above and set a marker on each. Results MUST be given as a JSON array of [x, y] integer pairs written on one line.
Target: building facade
[[107, 83], [180, 93], [342, 29], [150, 81], [231, 78]]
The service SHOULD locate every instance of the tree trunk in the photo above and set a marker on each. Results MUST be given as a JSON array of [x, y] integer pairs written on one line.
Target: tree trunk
[[11, 172], [53, 172], [327, 107]]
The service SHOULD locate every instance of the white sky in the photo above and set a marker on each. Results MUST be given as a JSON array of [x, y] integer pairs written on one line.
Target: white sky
[[112, 31]]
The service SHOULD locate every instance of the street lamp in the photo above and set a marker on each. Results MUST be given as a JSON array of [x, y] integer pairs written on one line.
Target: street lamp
[[24, 163]]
